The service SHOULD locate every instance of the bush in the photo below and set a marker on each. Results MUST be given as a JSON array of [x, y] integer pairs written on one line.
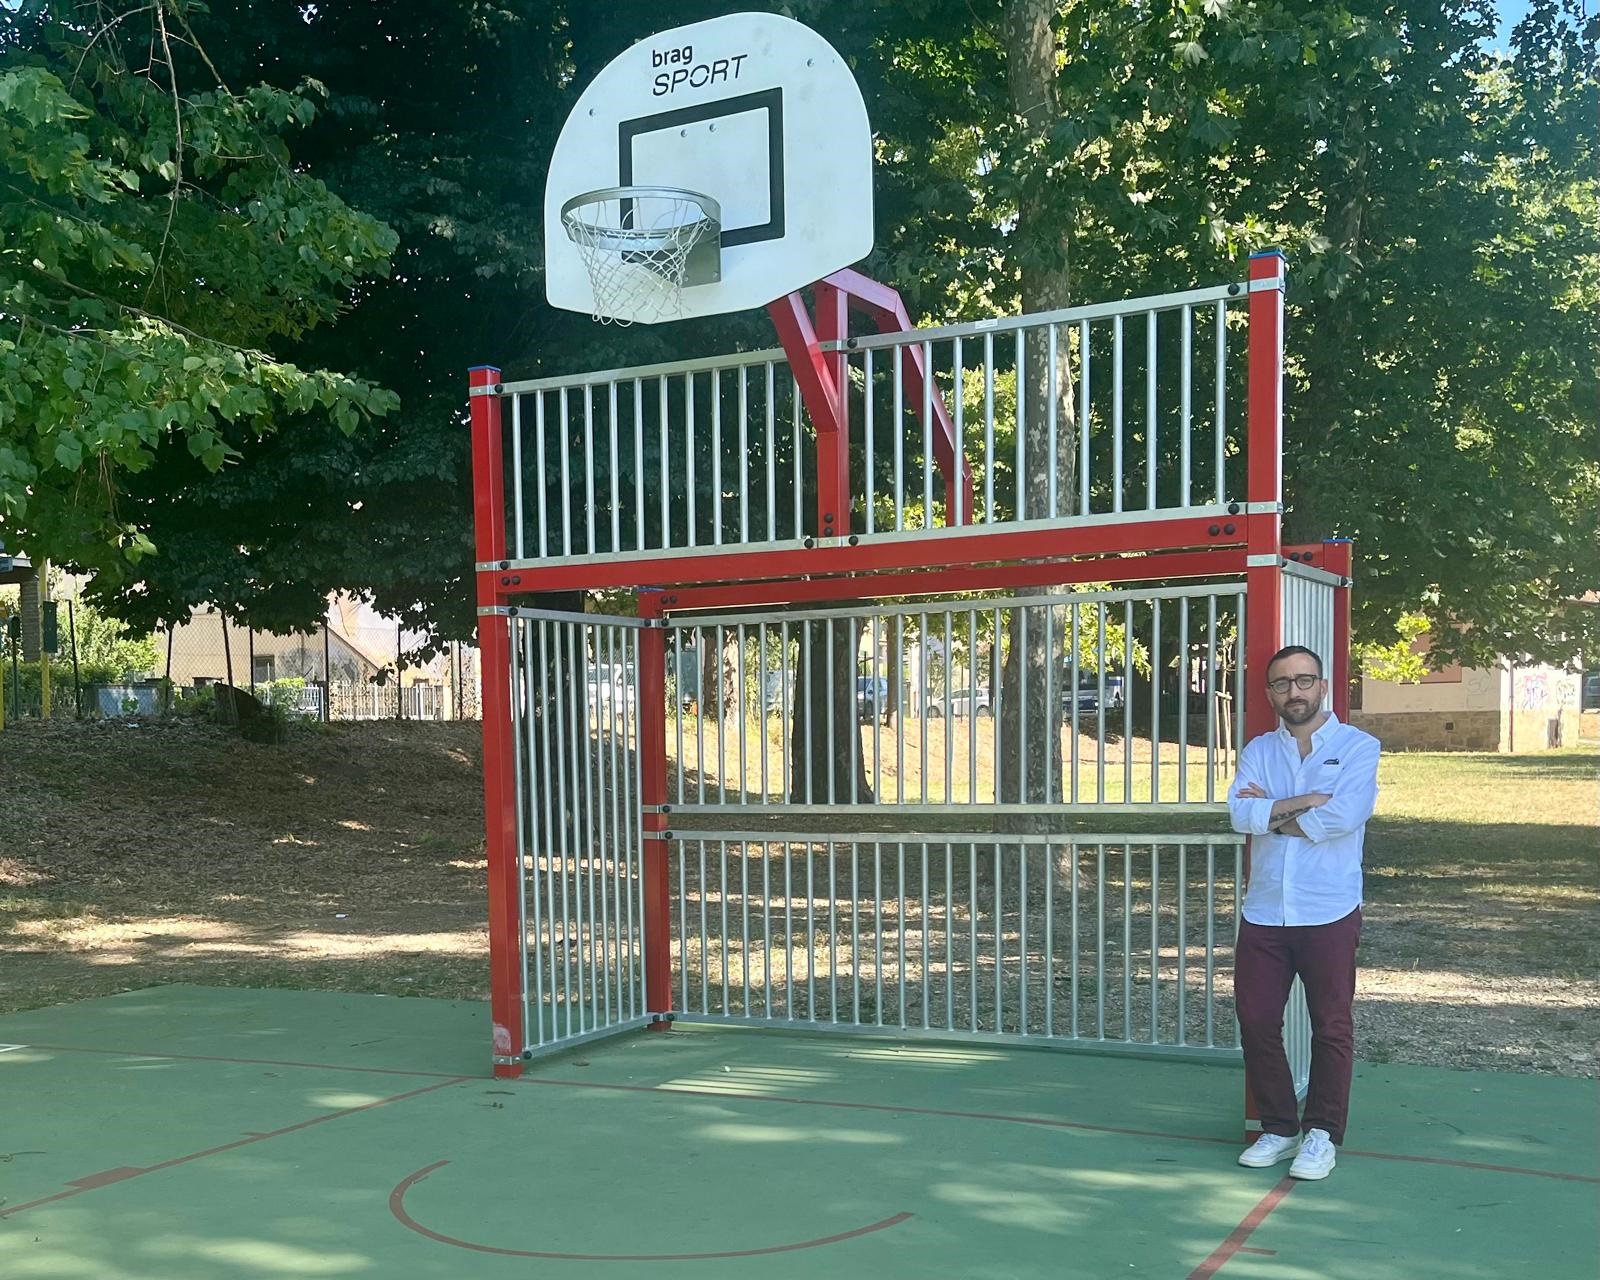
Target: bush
[[24, 697]]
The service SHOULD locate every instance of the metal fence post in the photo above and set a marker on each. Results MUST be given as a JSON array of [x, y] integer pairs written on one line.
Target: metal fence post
[[77, 676], [327, 676]]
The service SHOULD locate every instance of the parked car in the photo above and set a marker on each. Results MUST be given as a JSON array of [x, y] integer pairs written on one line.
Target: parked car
[[872, 699], [961, 704], [611, 684], [1088, 696]]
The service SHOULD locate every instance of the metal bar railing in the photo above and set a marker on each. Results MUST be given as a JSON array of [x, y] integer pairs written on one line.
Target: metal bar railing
[[875, 707], [660, 460], [578, 830], [1093, 940]]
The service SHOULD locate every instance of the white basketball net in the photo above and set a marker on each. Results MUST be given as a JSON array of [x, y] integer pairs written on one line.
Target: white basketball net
[[635, 250]]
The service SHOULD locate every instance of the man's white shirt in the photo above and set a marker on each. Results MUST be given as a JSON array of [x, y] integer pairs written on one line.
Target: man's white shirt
[[1314, 879]]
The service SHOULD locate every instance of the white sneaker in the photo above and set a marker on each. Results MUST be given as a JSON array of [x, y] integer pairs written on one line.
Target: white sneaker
[[1316, 1158], [1270, 1149]]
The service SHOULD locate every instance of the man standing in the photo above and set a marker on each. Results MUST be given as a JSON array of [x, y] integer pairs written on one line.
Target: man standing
[[1305, 792]]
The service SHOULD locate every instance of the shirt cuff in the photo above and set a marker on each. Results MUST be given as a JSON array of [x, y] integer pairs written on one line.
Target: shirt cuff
[[1258, 816], [1313, 824]]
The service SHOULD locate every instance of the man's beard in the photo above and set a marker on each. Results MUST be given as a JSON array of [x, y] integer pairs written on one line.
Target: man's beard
[[1299, 712]]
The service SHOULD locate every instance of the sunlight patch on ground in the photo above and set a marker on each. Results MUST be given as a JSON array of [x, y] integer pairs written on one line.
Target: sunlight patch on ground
[[341, 1100], [925, 1053], [267, 1257], [1477, 989], [787, 1134], [130, 942], [748, 1078]]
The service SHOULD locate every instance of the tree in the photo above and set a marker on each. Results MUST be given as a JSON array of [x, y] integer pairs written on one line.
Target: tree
[[156, 242], [1440, 368]]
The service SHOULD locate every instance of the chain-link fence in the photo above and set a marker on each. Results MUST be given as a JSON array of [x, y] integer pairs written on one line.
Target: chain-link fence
[[356, 665]]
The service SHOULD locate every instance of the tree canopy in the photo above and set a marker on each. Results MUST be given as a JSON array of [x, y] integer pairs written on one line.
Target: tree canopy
[[1437, 200], [158, 248]]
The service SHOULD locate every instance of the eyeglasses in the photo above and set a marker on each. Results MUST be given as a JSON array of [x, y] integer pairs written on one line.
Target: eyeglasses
[[1300, 682]]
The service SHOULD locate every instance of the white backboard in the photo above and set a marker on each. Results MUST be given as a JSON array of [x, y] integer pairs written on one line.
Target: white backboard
[[752, 109]]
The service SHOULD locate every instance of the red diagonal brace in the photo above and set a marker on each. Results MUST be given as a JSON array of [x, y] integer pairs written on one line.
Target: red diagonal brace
[[824, 379], [889, 313]]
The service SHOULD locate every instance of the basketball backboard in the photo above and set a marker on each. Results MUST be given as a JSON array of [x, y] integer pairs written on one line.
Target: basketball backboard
[[752, 110]]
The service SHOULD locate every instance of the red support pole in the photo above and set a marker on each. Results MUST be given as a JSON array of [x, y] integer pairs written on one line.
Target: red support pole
[[1264, 495], [499, 779], [652, 748]]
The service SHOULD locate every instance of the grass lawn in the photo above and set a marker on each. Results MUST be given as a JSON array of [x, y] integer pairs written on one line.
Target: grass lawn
[[351, 859]]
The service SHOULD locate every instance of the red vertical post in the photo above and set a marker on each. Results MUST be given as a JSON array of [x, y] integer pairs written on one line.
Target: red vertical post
[[1264, 510], [1338, 556], [652, 748], [833, 436], [499, 778]]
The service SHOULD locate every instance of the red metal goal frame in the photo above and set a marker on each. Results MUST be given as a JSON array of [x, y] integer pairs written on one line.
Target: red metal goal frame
[[1248, 541]]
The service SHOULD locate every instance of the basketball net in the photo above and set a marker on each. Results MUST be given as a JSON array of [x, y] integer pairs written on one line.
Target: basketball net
[[636, 251]]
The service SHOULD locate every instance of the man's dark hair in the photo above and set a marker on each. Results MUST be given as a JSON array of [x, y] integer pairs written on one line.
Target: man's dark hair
[[1288, 651]]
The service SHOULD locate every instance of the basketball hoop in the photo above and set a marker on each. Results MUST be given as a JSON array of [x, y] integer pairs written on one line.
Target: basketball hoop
[[642, 246]]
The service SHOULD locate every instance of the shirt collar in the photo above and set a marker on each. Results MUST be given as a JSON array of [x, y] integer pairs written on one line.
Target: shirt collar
[[1317, 738]]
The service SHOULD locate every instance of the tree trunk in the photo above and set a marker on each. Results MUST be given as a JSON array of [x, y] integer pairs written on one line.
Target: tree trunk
[[32, 595], [1048, 486], [826, 761]]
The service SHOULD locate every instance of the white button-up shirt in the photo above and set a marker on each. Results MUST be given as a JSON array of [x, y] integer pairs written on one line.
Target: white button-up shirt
[[1313, 879]]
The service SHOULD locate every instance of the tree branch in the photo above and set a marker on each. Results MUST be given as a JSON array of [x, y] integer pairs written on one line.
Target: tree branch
[[177, 155]]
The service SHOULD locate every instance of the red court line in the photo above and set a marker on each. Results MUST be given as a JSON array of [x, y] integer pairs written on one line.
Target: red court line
[[397, 1207], [108, 1176], [1003, 1117], [1235, 1243], [1468, 1164]]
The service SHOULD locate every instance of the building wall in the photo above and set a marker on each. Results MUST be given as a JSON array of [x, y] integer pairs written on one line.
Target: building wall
[[1543, 709], [1432, 730], [1485, 709], [1475, 689]]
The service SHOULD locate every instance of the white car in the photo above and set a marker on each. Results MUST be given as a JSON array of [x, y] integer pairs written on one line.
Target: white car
[[962, 703], [610, 684]]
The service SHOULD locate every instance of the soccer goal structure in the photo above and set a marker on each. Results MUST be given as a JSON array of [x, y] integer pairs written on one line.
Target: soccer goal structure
[[940, 648]]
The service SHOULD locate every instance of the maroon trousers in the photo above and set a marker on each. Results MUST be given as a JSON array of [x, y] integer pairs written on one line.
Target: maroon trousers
[[1266, 961]]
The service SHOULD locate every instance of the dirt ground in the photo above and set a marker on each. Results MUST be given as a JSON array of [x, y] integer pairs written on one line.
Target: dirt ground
[[351, 858]]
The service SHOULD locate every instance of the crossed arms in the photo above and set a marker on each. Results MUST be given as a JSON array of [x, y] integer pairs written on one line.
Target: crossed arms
[[1285, 813], [1315, 815]]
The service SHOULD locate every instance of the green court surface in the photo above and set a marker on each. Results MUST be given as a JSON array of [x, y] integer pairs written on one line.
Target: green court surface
[[185, 1132]]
